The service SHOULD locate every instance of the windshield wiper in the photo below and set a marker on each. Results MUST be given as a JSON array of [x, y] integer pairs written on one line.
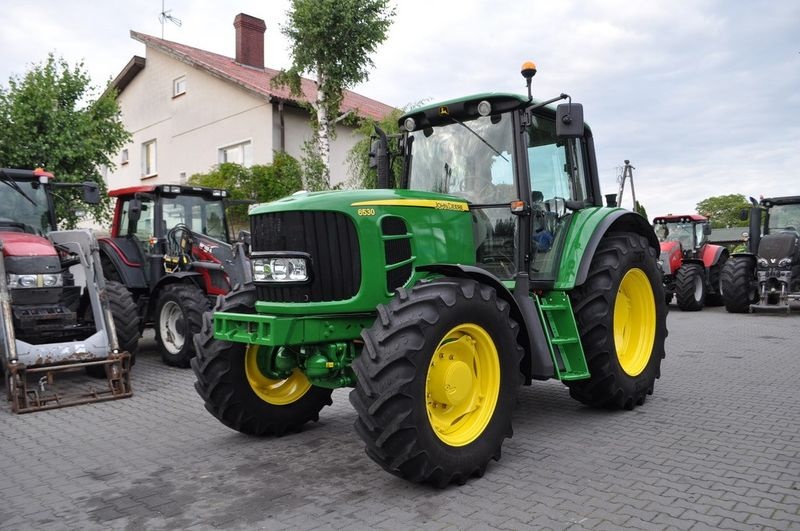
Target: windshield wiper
[[468, 128], [15, 186]]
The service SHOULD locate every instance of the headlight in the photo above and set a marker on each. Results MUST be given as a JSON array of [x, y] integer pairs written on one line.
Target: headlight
[[786, 262], [280, 269], [762, 262], [47, 280], [51, 281]]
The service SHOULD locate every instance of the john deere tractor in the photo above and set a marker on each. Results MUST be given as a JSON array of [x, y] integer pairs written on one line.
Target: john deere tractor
[[489, 265]]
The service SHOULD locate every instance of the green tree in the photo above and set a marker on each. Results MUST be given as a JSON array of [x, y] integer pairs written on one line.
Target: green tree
[[259, 183], [51, 118], [332, 40], [361, 175], [723, 210], [639, 209]]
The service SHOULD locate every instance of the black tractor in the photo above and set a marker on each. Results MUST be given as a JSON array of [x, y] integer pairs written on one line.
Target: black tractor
[[767, 277]]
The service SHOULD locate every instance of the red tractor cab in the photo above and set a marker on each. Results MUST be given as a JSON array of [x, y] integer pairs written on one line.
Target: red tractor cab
[[691, 266], [170, 246]]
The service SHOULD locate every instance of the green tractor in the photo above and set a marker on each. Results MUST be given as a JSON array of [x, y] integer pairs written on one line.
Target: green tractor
[[489, 264]]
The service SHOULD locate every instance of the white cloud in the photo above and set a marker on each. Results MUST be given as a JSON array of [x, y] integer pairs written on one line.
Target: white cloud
[[702, 96]]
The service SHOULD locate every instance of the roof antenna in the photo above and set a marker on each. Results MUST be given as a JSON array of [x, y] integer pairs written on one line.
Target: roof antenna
[[164, 16]]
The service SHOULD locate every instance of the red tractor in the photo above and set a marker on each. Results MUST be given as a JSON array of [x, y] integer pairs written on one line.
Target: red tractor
[[691, 266], [58, 312], [170, 246]]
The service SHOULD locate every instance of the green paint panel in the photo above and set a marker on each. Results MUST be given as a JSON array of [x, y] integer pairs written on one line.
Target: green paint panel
[[555, 311], [583, 226]]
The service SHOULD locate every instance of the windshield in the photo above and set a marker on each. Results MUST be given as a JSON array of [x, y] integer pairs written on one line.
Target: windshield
[[675, 232], [784, 217], [470, 159], [201, 215], [17, 213]]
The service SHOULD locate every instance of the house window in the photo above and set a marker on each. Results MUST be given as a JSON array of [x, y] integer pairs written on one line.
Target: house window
[[178, 86], [124, 156], [149, 159], [241, 153]]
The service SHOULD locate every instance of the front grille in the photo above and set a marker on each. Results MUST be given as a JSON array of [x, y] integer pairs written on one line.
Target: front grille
[[330, 240]]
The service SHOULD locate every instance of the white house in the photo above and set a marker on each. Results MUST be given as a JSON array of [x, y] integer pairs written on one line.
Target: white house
[[188, 109]]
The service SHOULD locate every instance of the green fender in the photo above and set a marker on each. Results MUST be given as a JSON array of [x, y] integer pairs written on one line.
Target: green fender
[[587, 228]]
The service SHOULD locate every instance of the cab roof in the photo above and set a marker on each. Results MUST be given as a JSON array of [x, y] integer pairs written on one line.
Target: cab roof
[[172, 189], [679, 218]]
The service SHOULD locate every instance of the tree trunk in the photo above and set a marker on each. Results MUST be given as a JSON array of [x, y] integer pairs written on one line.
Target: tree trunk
[[323, 131]]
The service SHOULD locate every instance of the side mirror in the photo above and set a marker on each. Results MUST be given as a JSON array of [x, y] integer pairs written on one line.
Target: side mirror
[[569, 120], [557, 206], [134, 210], [373, 154], [91, 193], [707, 229], [744, 213]]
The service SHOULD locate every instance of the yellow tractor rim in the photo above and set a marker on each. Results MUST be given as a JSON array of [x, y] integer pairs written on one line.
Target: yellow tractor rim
[[462, 384], [634, 322], [275, 392]]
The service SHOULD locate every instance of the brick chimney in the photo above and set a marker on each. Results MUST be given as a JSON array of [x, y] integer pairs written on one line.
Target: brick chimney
[[249, 40]]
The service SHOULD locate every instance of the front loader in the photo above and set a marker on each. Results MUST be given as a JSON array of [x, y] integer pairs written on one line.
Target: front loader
[[59, 314], [490, 264]]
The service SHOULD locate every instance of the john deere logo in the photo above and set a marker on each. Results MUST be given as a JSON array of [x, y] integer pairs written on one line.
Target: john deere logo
[[443, 111]]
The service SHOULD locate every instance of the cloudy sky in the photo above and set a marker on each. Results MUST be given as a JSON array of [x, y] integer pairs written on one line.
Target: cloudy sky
[[703, 96]]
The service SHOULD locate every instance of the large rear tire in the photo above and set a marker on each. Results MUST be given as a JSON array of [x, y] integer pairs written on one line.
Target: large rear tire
[[739, 289], [621, 317], [235, 391], [437, 381], [690, 287], [178, 317]]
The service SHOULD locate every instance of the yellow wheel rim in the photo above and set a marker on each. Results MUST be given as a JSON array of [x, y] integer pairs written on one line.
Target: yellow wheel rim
[[462, 384], [276, 392], [634, 322]]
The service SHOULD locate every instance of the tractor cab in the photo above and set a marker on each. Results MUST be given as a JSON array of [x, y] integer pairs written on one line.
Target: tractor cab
[[690, 232], [26, 200], [520, 167], [166, 223]]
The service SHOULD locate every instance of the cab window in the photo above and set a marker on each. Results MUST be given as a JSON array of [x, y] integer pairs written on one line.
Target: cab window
[[557, 175]]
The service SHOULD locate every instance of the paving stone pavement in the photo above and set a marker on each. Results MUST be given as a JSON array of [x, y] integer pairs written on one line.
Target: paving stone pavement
[[716, 446]]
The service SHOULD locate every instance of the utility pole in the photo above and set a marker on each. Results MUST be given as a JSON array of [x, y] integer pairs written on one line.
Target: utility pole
[[627, 174]]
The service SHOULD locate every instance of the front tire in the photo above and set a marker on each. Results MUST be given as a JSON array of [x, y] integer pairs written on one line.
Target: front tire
[[235, 391], [126, 318], [126, 323], [437, 381], [739, 290], [690, 287], [178, 317], [622, 323]]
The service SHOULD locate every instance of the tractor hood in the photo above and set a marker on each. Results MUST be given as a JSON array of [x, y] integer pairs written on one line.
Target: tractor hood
[[353, 200], [24, 244], [778, 245], [671, 256]]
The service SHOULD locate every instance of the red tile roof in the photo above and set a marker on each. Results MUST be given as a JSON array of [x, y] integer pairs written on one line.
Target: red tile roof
[[256, 80]]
